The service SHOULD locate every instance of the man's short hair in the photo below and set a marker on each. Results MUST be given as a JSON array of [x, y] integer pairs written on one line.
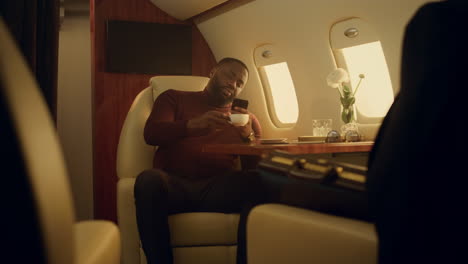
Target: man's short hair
[[229, 60]]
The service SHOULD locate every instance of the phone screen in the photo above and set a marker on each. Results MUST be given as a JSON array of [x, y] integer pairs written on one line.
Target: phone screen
[[240, 103]]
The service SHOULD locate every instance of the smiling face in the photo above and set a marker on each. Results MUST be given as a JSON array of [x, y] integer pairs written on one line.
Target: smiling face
[[227, 81]]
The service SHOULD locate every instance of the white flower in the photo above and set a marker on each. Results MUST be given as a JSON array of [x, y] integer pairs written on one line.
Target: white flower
[[337, 77], [333, 85]]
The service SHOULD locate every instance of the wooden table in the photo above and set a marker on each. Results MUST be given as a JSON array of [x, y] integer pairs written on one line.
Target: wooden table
[[250, 154], [294, 147]]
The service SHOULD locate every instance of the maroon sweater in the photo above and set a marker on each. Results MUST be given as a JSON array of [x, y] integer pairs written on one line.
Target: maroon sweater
[[180, 152]]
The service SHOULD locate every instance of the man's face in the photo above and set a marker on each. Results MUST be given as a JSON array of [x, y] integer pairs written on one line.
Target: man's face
[[227, 81]]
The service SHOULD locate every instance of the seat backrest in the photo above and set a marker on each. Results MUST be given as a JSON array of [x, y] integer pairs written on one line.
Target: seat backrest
[[37, 158], [133, 154], [414, 166]]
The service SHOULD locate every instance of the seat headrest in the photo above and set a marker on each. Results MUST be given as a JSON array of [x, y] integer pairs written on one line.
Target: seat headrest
[[160, 84]]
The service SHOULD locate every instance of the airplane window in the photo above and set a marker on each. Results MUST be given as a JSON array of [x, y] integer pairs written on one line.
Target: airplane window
[[357, 48], [281, 93], [375, 94]]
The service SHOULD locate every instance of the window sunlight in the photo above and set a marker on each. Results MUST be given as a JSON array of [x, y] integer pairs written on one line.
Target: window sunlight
[[277, 78], [375, 94], [282, 94]]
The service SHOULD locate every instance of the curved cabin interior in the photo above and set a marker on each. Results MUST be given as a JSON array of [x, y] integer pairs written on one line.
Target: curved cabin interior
[[304, 47], [109, 51]]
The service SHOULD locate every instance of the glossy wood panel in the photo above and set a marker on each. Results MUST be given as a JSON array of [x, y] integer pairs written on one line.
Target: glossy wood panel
[[258, 149], [113, 93]]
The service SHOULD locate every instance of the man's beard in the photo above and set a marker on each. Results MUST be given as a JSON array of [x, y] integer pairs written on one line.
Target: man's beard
[[222, 100]]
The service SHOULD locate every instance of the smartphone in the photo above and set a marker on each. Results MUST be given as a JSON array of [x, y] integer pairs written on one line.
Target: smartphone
[[240, 103]]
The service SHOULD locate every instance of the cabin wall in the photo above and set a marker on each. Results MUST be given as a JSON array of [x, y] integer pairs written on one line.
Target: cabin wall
[[90, 98], [113, 93], [300, 30], [74, 104]]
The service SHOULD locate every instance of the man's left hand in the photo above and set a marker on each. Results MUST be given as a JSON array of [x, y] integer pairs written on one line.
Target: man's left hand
[[247, 129]]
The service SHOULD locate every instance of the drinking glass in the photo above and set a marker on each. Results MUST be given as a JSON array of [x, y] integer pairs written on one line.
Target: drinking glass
[[321, 127]]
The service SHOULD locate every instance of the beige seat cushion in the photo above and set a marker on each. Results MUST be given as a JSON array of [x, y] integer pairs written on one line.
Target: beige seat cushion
[[197, 255], [212, 235], [284, 234], [203, 229], [96, 242], [205, 255]]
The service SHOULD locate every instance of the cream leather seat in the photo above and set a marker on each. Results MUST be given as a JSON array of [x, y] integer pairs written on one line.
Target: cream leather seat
[[195, 237], [41, 227], [285, 234]]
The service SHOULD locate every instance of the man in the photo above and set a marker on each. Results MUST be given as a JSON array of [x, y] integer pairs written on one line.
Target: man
[[185, 179]]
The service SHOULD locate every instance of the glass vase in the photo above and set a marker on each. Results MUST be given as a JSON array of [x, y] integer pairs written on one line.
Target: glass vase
[[347, 116]]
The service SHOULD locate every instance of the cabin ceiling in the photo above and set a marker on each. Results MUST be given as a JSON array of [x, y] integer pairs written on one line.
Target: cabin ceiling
[[184, 9]]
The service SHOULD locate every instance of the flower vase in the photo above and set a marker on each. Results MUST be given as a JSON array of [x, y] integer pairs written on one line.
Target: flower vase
[[347, 108], [339, 78], [347, 114]]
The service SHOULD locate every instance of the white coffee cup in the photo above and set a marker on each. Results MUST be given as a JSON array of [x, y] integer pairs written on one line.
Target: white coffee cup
[[239, 119]]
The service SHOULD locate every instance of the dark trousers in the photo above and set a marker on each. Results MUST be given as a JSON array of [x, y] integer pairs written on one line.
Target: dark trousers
[[158, 195]]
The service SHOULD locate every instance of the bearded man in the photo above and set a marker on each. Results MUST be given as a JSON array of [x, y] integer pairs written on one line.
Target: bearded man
[[184, 178]]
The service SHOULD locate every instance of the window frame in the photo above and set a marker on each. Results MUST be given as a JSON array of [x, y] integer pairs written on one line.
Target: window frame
[[266, 55], [339, 41]]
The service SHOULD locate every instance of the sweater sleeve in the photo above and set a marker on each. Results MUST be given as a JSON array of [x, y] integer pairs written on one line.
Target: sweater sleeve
[[256, 127], [162, 128]]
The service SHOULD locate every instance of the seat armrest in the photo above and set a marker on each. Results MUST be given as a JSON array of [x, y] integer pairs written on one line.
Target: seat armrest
[[133, 154], [97, 242], [126, 216], [284, 234]]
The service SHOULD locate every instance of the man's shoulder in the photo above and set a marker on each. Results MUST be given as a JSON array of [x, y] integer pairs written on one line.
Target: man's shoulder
[[181, 93], [172, 94]]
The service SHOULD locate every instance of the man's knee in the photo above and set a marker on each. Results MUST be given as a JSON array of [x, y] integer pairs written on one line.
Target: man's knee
[[249, 179], [253, 176], [150, 182]]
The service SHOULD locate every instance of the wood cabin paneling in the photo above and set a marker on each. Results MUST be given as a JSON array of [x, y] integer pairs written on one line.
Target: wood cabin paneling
[[113, 93]]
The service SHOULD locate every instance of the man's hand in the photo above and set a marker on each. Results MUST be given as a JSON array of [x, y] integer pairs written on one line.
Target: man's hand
[[247, 129], [209, 120]]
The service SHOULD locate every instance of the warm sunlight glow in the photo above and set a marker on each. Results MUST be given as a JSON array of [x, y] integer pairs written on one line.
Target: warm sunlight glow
[[279, 82], [375, 94]]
